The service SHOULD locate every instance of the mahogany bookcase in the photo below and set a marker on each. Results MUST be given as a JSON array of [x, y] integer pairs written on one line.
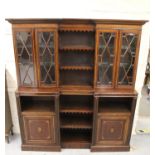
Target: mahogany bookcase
[[76, 82]]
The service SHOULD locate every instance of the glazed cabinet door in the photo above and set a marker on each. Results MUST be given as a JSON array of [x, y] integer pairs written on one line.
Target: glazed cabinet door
[[25, 57], [128, 57], [106, 46], [46, 45]]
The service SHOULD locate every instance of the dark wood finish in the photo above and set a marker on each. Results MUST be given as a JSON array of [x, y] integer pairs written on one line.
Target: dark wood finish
[[83, 76]]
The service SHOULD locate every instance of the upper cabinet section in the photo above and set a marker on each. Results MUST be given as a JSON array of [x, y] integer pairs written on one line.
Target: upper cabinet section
[[36, 55], [46, 52], [75, 54], [24, 55]]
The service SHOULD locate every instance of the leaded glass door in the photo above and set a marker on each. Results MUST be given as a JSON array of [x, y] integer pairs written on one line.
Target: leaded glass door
[[106, 57], [129, 42], [46, 50], [24, 53]]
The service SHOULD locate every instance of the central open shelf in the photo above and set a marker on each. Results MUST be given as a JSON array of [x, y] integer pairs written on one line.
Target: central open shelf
[[76, 138], [76, 77], [76, 120], [73, 40], [76, 104], [76, 58]]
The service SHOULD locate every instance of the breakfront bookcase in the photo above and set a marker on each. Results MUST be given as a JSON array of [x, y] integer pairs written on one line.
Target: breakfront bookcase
[[76, 82]]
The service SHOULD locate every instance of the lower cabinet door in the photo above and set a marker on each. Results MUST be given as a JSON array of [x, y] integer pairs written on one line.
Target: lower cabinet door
[[39, 129], [112, 129]]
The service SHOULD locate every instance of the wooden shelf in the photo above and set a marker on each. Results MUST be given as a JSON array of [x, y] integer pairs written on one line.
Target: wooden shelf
[[76, 68], [77, 47], [72, 89], [76, 110], [76, 123], [76, 104]]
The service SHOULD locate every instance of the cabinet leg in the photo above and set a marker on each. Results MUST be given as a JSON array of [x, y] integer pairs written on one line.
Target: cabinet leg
[[12, 132], [7, 139]]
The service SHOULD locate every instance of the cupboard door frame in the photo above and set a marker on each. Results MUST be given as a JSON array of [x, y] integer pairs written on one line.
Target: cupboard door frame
[[115, 120], [114, 61], [54, 30], [49, 120], [138, 33], [15, 30]]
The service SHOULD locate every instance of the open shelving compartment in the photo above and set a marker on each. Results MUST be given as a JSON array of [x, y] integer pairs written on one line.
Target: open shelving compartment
[[34, 104], [76, 120], [76, 57], [115, 105], [76, 138], [72, 40]]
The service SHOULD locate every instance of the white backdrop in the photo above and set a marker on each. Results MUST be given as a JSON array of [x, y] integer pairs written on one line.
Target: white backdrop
[[101, 9]]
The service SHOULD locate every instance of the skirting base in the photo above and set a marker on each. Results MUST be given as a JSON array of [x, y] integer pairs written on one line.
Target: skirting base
[[26, 147], [115, 148]]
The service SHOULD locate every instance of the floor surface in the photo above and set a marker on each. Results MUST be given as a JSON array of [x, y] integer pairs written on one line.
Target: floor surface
[[139, 146]]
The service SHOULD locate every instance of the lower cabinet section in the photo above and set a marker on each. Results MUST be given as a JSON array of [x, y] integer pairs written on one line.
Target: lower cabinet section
[[68, 121]]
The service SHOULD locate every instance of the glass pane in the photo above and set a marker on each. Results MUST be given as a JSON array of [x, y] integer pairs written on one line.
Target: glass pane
[[106, 57], [128, 51], [25, 58], [46, 55]]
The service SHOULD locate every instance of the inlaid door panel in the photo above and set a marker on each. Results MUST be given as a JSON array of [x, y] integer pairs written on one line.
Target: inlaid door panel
[[128, 54], [24, 54], [106, 54], [39, 129], [112, 130], [47, 55]]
